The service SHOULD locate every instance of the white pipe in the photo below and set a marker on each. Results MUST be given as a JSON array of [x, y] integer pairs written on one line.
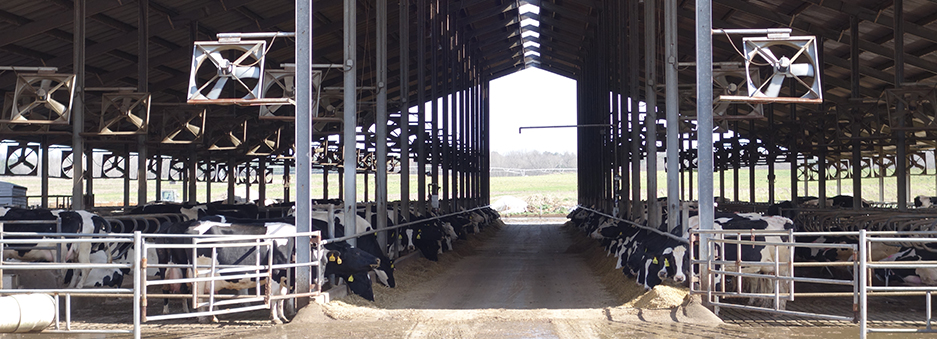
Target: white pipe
[[26, 313]]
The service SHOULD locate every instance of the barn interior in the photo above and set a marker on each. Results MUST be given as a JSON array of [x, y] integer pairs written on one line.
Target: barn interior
[[160, 90]]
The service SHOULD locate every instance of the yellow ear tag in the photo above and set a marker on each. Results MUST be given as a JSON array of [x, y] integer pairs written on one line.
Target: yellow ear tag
[[417, 237], [351, 278], [654, 261], [339, 260], [391, 265], [331, 257], [666, 263], [621, 233], [399, 236]]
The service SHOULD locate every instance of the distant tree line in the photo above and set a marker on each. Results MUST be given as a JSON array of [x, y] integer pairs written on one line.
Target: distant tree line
[[533, 160]]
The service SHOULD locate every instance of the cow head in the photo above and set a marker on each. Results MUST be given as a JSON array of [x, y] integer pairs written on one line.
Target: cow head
[[674, 259]]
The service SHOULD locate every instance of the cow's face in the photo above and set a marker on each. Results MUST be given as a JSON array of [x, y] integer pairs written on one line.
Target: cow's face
[[674, 259]]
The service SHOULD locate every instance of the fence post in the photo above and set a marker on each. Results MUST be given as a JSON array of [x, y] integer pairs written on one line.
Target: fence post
[[863, 276], [138, 307]]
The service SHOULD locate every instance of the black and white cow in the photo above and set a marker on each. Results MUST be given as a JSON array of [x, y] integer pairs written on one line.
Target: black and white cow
[[282, 254], [923, 276], [924, 201], [98, 277], [755, 253], [352, 265], [71, 222], [191, 211]]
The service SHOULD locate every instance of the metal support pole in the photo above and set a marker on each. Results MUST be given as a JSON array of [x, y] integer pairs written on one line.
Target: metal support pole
[[143, 85], [159, 175], [434, 95], [769, 112], [753, 161], [380, 194], [625, 155], [673, 110], [650, 119], [421, 105], [232, 179], [854, 93], [44, 174], [304, 50], [78, 108], [208, 180], [634, 94], [126, 175], [350, 116], [262, 182], [286, 181], [405, 106], [901, 158], [193, 175], [704, 135]]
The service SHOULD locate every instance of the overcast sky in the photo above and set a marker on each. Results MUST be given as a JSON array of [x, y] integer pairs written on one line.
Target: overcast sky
[[533, 97]]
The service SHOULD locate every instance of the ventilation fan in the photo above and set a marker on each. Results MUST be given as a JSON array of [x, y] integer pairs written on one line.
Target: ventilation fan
[[183, 126], [42, 99], [791, 65], [234, 72], [22, 160], [125, 113], [281, 83], [731, 81], [267, 145]]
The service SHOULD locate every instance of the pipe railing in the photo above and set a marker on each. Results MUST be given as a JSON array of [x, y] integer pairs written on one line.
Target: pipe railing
[[669, 235]]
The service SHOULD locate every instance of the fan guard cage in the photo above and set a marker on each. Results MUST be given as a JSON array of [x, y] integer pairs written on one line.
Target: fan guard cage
[[247, 63], [803, 63], [41, 99]]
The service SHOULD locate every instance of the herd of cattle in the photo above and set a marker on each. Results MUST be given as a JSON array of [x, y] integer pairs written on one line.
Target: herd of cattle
[[354, 265], [652, 255]]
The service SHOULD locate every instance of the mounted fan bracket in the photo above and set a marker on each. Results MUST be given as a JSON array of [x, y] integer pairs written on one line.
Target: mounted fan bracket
[[789, 66], [227, 72], [124, 113], [41, 98]]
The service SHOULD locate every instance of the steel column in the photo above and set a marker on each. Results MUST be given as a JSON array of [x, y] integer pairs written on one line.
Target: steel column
[[350, 117], [634, 94], [303, 130], [901, 158], [159, 175], [650, 119], [78, 107], [854, 93], [143, 67], [752, 161], [193, 175], [434, 95], [380, 186], [704, 135], [673, 110], [405, 106], [769, 112], [421, 105], [126, 175], [232, 179], [44, 174], [261, 181]]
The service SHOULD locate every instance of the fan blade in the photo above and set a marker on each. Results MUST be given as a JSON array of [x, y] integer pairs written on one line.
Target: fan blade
[[44, 85], [247, 72], [721, 81], [55, 106], [219, 86], [721, 108], [802, 70], [775, 87], [216, 59], [768, 55]]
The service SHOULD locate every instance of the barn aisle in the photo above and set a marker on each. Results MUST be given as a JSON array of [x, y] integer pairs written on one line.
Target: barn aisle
[[525, 266]]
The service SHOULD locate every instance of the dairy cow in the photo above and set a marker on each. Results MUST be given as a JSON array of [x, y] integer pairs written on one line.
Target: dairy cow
[[71, 222], [755, 253]]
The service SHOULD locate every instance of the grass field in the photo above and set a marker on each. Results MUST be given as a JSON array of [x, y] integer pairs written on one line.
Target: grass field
[[553, 193]]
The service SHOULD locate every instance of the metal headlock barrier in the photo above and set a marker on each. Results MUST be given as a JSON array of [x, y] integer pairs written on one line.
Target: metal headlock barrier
[[781, 273], [632, 223], [205, 300], [32, 238]]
